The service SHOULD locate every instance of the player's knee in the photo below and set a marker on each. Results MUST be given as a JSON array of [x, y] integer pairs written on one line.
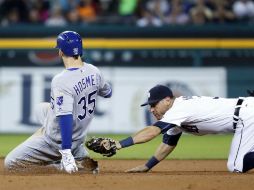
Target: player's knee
[[248, 161], [7, 162], [10, 161], [230, 166]]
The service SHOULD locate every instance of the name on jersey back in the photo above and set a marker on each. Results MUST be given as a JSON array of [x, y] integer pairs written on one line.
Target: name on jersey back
[[84, 83]]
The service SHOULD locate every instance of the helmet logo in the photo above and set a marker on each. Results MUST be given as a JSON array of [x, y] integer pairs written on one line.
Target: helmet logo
[[75, 51]]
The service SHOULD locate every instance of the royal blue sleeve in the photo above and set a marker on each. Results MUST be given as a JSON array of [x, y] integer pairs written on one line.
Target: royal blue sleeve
[[163, 126], [171, 140], [65, 124]]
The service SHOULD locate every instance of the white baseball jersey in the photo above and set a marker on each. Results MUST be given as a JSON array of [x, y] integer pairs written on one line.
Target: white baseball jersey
[[201, 115], [207, 115], [75, 92]]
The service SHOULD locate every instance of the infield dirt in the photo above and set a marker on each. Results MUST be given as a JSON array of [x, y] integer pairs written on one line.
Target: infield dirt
[[169, 174]]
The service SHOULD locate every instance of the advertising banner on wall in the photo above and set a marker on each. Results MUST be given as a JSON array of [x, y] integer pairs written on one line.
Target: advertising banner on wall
[[22, 88]]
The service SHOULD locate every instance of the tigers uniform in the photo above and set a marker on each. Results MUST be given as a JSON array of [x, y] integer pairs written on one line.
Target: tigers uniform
[[213, 115]]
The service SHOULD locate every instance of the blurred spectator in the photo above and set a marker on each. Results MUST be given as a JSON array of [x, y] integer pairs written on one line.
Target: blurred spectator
[[13, 12], [108, 7], [117, 11], [126, 11], [87, 11], [66, 5], [127, 7], [177, 14], [223, 12], [159, 8], [43, 8], [187, 5], [34, 17], [200, 13], [72, 17], [108, 12], [139, 12], [11, 18], [153, 12], [243, 9], [148, 19], [56, 17]]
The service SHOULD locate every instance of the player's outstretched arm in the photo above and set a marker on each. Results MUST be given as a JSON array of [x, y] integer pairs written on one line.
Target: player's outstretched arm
[[161, 153], [142, 136], [108, 147], [168, 144]]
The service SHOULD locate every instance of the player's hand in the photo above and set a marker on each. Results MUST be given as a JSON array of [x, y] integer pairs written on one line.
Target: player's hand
[[118, 145], [138, 169], [68, 162]]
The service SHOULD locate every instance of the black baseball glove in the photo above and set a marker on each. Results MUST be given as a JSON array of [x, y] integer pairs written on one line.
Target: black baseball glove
[[104, 146]]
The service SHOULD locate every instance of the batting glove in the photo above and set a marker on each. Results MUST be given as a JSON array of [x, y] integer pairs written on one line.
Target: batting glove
[[68, 162]]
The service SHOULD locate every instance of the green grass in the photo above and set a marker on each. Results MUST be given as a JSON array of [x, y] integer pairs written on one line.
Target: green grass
[[8, 142], [189, 147]]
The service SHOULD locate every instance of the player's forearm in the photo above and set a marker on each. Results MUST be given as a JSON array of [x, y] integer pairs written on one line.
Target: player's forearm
[[142, 136], [65, 125], [163, 151], [146, 134]]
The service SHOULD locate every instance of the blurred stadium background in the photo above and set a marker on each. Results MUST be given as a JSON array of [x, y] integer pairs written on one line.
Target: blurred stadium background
[[196, 47]]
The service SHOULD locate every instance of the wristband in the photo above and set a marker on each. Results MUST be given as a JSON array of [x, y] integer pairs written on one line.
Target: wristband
[[126, 142], [152, 162]]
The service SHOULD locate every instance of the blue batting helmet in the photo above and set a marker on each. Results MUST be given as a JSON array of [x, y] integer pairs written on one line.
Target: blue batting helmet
[[70, 43]]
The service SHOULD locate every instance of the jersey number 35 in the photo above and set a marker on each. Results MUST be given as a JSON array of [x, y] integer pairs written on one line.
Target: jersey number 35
[[84, 102]]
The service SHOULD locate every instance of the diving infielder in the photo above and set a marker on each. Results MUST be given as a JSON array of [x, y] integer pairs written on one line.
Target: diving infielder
[[199, 116], [66, 118]]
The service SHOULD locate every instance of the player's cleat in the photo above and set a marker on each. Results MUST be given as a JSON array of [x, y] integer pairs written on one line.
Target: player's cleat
[[88, 165]]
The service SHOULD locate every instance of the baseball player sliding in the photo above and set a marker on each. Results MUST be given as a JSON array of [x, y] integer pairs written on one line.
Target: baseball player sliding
[[65, 120], [196, 115]]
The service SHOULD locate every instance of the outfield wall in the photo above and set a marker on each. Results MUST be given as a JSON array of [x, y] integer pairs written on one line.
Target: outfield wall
[[22, 88]]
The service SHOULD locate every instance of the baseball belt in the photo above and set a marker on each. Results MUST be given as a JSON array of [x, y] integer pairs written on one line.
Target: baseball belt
[[237, 111]]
